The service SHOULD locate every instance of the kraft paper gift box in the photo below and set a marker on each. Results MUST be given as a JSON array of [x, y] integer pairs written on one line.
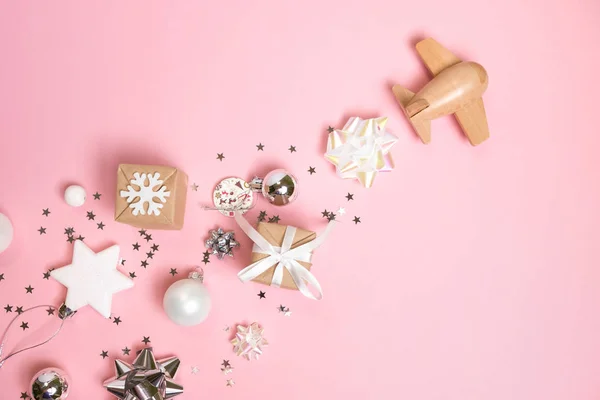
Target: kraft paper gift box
[[274, 234], [151, 196]]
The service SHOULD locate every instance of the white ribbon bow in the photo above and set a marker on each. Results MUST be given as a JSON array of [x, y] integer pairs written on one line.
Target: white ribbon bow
[[284, 257]]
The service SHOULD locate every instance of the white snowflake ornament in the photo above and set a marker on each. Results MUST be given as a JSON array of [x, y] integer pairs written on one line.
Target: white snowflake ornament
[[151, 196], [145, 194]]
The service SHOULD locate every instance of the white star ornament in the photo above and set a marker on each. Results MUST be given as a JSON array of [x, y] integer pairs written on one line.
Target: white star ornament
[[92, 278]]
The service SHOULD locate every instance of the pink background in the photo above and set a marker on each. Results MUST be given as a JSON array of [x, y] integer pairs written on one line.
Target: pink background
[[474, 273]]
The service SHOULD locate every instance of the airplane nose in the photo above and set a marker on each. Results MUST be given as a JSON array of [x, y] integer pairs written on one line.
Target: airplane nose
[[481, 73]]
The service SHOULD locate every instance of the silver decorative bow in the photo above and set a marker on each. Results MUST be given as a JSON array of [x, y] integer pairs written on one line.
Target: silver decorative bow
[[145, 379]]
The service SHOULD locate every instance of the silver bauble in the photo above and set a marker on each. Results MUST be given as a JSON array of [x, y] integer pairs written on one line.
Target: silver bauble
[[50, 384], [280, 187]]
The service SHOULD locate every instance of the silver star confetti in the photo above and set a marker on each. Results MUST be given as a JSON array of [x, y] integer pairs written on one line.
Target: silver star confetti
[[249, 341], [221, 243]]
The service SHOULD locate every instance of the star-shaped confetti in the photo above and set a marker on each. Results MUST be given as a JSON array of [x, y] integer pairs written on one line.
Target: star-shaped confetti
[[42, 230], [230, 382], [205, 260], [69, 231], [194, 370], [123, 261], [341, 211], [50, 310], [206, 254], [356, 220], [331, 217], [104, 354], [47, 275], [132, 275], [260, 147], [1, 277], [325, 213], [227, 370], [117, 320], [24, 325], [285, 310], [149, 254], [19, 310], [226, 364], [311, 170], [173, 271], [126, 351], [226, 329], [148, 237], [330, 129], [91, 216], [261, 294], [154, 247], [24, 395], [142, 232], [292, 149], [262, 216], [350, 196], [80, 238], [146, 339], [195, 187], [46, 212], [100, 225], [220, 156], [144, 263], [136, 246], [274, 219], [97, 196], [29, 289], [8, 308]]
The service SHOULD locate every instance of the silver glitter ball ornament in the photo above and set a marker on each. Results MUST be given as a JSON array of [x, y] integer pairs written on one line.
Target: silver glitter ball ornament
[[279, 187], [50, 384]]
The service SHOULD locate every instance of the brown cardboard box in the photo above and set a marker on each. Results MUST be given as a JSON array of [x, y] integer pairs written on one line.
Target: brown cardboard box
[[274, 233], [174, 182]]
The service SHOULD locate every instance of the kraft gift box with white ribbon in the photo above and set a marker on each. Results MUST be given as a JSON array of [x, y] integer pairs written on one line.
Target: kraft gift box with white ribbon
[[281, 256]]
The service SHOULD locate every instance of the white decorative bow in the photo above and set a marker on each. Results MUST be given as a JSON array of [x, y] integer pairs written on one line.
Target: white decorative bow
[[283, 257], [361, 149]]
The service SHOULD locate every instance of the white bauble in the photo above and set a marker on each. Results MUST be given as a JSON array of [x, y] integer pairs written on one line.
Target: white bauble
[[6, 232], [187, 302], [75, 196]]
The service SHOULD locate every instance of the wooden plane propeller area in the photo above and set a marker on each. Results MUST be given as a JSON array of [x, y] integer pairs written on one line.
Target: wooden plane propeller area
[[456, 88]]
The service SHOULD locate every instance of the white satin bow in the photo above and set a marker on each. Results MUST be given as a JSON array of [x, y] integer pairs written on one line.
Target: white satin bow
[[283, 257]]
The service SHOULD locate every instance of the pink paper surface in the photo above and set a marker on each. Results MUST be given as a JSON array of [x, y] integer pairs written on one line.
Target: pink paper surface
[[474, 273]]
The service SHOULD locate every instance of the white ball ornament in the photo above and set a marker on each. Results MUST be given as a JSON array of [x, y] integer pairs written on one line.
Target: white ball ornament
[[187, 301], [6, 232], [75, 196]]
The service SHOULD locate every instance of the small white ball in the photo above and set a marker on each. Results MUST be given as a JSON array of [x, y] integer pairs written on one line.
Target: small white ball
[[75, 196], [6, 232], [187, 302]]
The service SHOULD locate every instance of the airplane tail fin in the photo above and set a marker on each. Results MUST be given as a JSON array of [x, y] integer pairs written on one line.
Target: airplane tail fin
[[422, 126], [402, 94]]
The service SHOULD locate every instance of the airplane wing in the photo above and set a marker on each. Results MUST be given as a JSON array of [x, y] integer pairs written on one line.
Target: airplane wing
[[473, 121], [436, 57]]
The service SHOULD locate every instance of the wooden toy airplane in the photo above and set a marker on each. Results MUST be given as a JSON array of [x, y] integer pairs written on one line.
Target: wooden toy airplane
[[456, 88]]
